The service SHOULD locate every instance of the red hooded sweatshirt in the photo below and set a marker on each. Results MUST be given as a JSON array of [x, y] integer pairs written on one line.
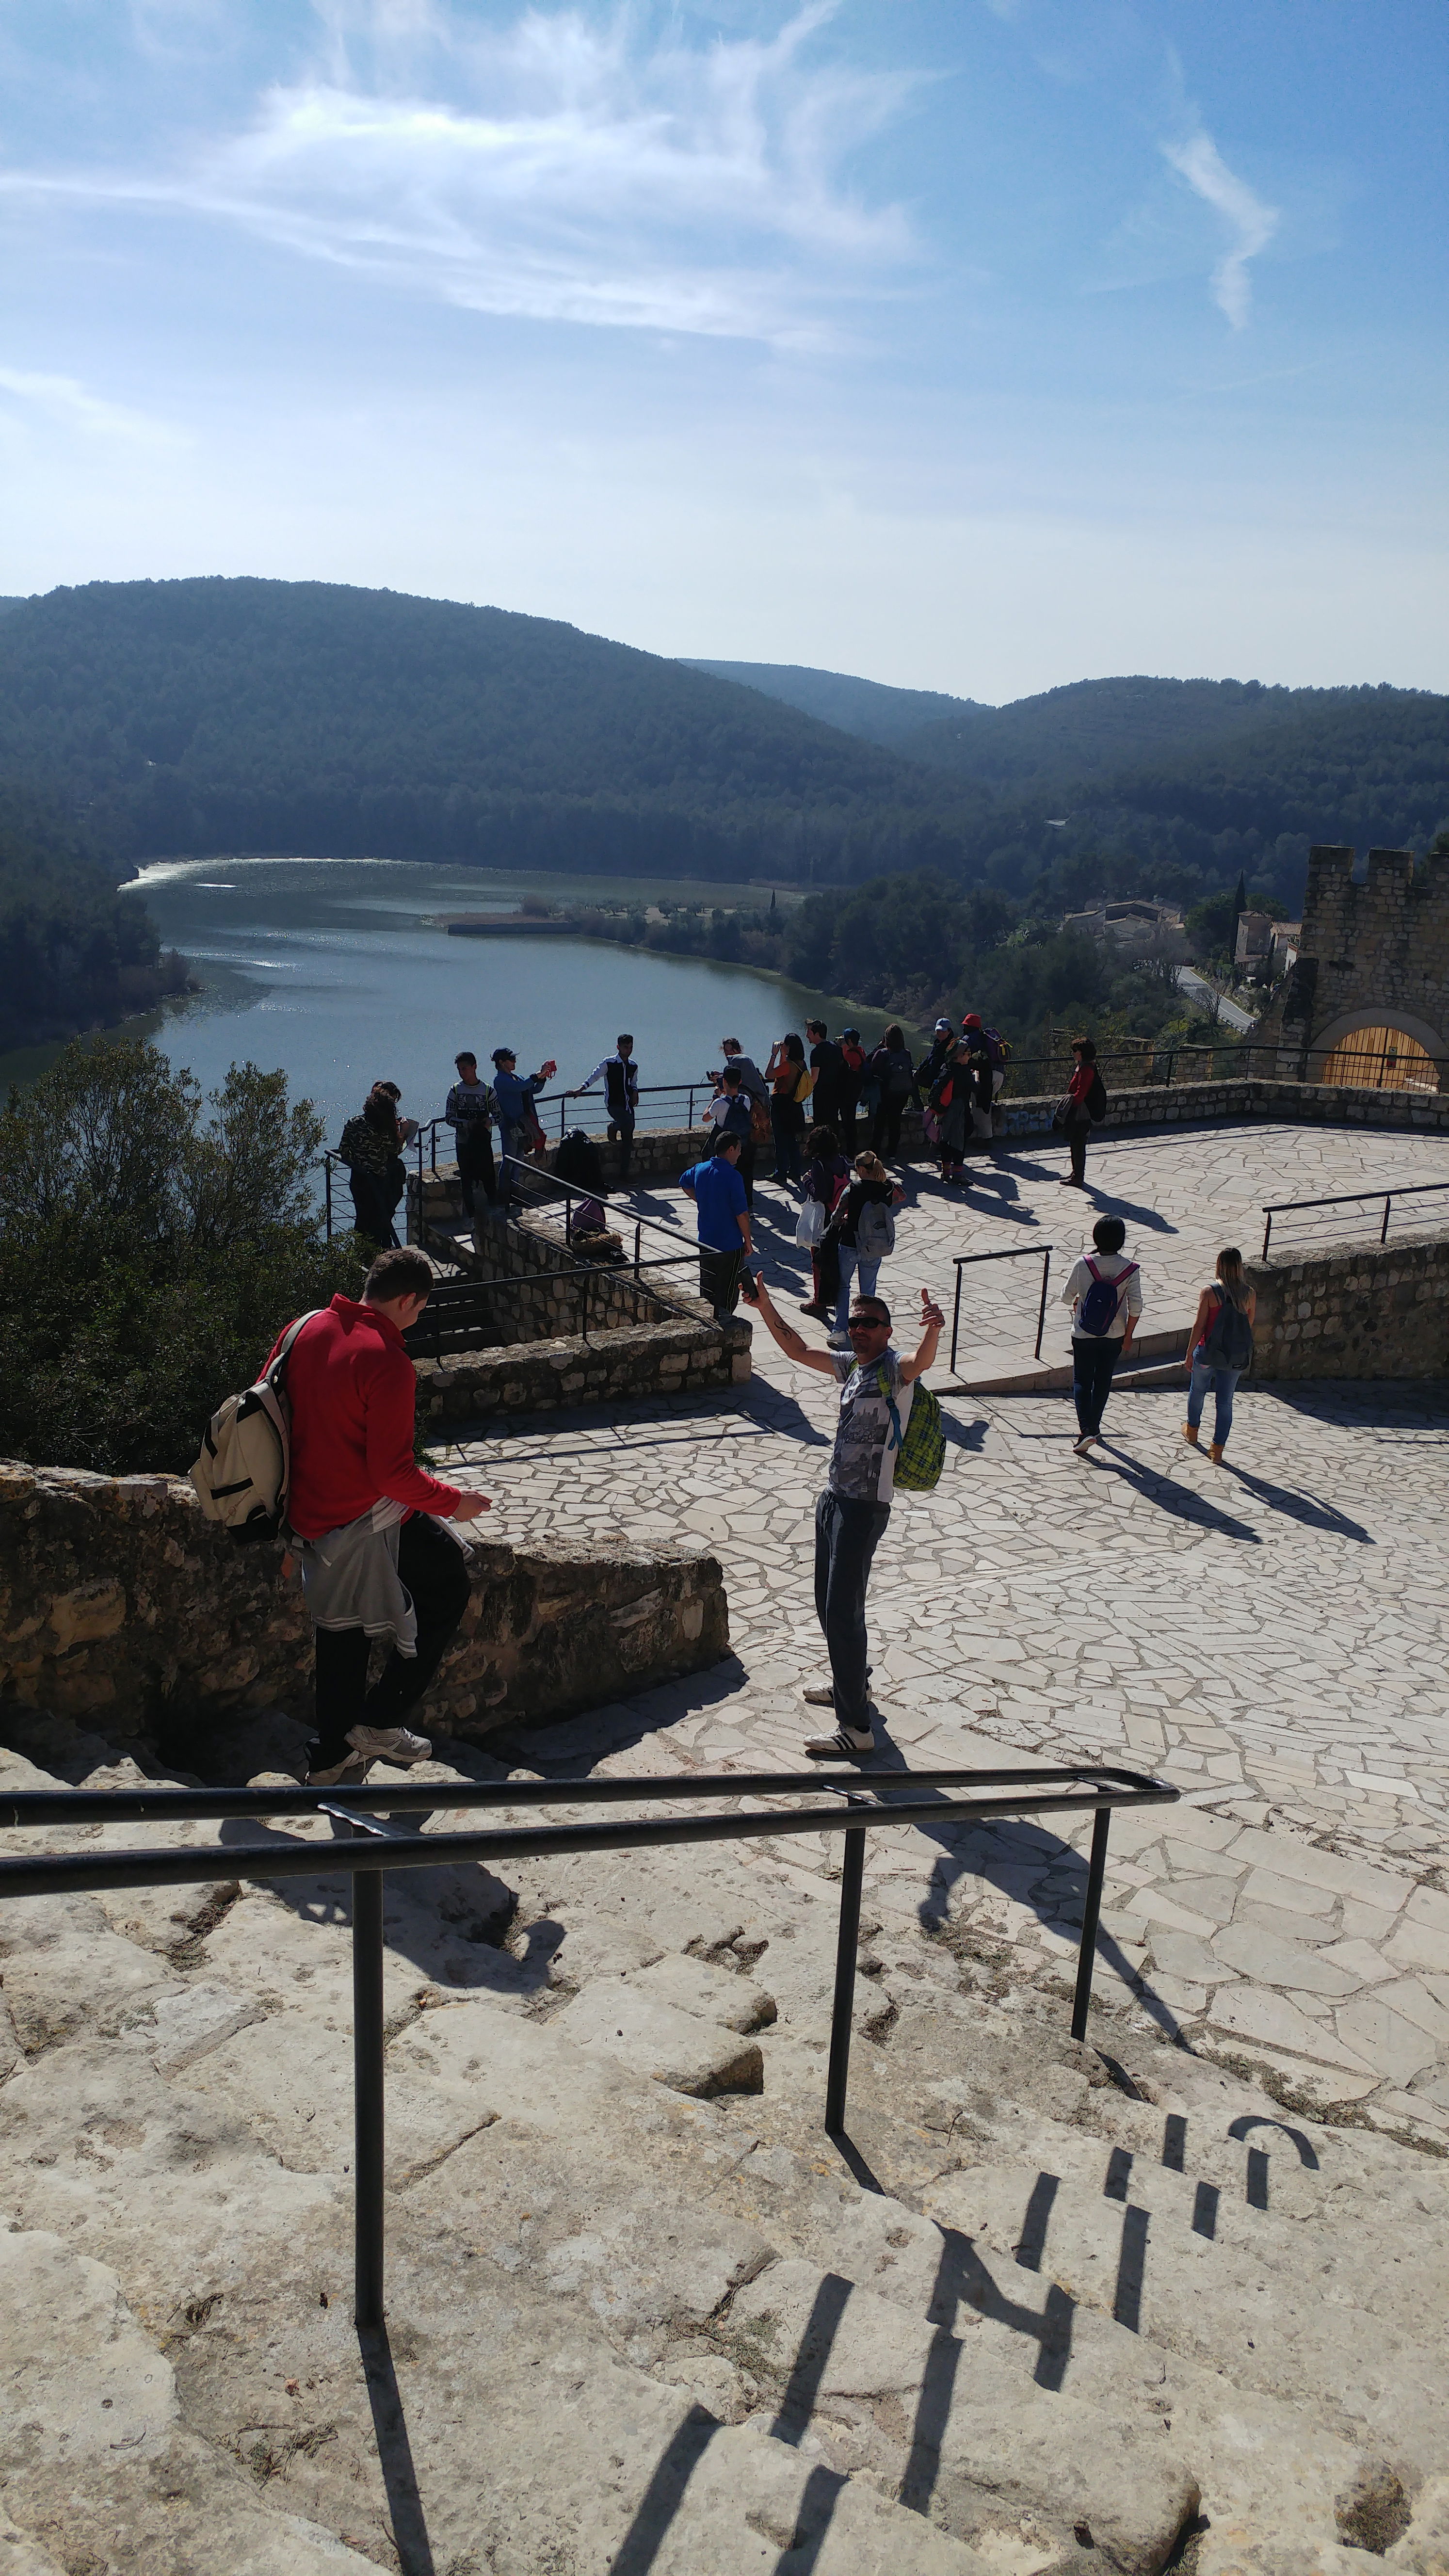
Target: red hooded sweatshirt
[[353, 1393]]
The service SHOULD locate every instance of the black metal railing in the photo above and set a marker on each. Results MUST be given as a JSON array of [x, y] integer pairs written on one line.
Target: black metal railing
[[1350, 1198], [897, 1798], [461, 1314], [1017, 1252]]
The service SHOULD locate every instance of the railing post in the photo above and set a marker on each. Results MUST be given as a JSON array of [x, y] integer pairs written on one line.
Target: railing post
[[956, 1319], [1091, 1915], [367, 2076], [638, 1233], [1384, 1228], [852, 1868], [1267, 1230], [327, 1169], [1046, 1263]]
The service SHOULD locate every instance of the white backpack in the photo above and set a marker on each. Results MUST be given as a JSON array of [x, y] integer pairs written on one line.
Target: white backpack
[[245, 1467]]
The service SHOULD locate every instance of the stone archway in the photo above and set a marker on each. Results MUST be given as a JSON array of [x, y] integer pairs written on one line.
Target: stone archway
[[1380, 1050]]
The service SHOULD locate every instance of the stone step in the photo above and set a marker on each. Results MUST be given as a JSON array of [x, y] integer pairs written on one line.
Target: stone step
[[1279, 2316]]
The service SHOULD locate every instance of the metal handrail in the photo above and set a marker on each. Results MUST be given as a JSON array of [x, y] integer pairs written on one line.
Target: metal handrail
[[1346, 1198], [890, 1799], [1017, 1252]]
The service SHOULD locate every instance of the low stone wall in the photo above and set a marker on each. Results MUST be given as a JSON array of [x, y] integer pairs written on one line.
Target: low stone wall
[[122, 1605], [627, 1365], [1354, 1311], [666, 1152]]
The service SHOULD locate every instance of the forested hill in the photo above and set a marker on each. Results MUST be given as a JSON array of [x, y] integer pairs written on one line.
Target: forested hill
[[73, 953], [196, 715], [220, 715], [870, 708]]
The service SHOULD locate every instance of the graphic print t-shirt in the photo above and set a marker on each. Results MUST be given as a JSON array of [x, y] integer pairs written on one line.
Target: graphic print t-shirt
[[863, 1461]]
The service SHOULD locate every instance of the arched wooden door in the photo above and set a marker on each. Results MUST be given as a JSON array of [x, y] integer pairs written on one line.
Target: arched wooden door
[[1381, 1059]]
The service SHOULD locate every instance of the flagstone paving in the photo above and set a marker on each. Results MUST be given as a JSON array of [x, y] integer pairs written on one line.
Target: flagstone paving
[[1270, 1636]]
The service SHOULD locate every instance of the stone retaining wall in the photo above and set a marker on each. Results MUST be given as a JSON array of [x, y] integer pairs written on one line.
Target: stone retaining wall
[[627, 1365], [120, 1604], [666, 1152], [1354, 1311]]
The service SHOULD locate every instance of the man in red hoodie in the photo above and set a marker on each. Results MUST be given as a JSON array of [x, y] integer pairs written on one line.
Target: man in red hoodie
[[375, 1558]]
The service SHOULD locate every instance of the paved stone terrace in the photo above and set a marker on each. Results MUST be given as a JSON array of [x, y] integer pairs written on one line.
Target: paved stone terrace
[[1270, 1635]]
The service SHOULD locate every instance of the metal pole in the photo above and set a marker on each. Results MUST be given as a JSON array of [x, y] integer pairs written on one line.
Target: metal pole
[[956, 1319], [367, 2076], [852, 1865], [1267, 1230], [638, 1234], [1091, 1913], [1384, 1228], [1046, 1263], [327, 1168]]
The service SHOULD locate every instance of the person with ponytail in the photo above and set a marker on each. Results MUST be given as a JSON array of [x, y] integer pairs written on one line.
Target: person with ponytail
[[1220, 1347]]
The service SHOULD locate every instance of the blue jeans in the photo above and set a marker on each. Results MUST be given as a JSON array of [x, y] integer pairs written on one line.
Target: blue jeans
[[852, 1268], [1223, 1382], [846, 1536]]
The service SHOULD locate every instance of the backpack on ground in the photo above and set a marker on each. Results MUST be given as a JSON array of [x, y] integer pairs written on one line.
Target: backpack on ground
[[1098, 1312], [577, 1161], [875, 1231], [921, 1448], [1097, 1099], [1229, 1340], [245, 1467]]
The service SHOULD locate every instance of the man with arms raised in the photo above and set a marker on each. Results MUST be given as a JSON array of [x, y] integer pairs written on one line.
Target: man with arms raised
[[851, 1513], [367, 1522]]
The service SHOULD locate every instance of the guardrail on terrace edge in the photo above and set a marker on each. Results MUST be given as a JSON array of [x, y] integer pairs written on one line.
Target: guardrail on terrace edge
[[1349, 1198], [863, 1802]]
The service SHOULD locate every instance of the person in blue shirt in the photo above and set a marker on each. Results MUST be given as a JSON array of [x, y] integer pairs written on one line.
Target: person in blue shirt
[[723, 1224], [513, 1097]]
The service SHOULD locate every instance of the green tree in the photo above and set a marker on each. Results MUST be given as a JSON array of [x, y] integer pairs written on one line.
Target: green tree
[[152, 1244]]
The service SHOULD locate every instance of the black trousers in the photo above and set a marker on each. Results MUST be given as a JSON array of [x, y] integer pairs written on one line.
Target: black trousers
[[1092, 1364], [475, 1163], [621, 1130], [434, 1571], [719, 1278], [847, 1535], [372, 1211], [1078, 1130], [885, 1135]]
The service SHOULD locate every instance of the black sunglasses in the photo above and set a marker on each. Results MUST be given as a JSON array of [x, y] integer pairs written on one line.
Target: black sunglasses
[[867, 1324]]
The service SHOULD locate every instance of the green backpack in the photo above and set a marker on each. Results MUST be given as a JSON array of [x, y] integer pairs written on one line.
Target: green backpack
[[921, 1449]]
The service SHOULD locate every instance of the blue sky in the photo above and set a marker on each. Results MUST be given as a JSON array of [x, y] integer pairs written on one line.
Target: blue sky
[[977, 347]]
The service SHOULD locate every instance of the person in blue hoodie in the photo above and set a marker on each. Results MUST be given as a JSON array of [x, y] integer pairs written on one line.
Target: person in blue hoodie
[[514, 1096]]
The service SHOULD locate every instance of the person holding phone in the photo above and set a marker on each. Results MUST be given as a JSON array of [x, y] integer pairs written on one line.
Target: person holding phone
[[514, 1096], [851, 1513]]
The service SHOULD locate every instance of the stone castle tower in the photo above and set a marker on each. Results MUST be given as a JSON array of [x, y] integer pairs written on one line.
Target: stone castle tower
[[1373, 956]]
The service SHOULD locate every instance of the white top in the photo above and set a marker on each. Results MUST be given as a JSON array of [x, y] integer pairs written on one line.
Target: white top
[[1109, 1265]]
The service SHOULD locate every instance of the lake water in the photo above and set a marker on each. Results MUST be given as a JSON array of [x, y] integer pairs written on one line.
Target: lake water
[[333, 970]]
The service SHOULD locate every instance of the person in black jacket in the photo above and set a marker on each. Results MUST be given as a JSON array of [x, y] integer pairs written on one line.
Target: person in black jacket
[[893, 1070], [828, 1066]]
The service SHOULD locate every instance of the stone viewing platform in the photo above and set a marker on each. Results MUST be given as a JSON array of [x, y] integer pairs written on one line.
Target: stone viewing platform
[[1171, 2299]]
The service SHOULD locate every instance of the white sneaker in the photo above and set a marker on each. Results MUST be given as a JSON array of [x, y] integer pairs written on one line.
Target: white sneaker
[[395, 1744], [822, 1696], [339, 1775]]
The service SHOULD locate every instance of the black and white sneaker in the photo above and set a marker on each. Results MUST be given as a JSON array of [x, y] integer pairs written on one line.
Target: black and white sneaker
[[845, 1745]]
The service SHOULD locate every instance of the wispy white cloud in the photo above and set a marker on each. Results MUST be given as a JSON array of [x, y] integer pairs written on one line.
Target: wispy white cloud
[[564, 168], [68, 404], [1252, 221]]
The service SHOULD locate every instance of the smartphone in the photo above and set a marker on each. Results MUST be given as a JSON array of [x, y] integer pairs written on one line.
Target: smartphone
[[750, 1287]]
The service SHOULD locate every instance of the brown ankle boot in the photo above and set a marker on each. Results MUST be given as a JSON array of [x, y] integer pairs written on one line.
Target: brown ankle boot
[[1215, 1452], [1189, 1433]]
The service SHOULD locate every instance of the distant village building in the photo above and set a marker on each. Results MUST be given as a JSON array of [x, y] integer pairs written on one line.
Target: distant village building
[[1367, 1000], [1266, 948], [1136, 924]]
